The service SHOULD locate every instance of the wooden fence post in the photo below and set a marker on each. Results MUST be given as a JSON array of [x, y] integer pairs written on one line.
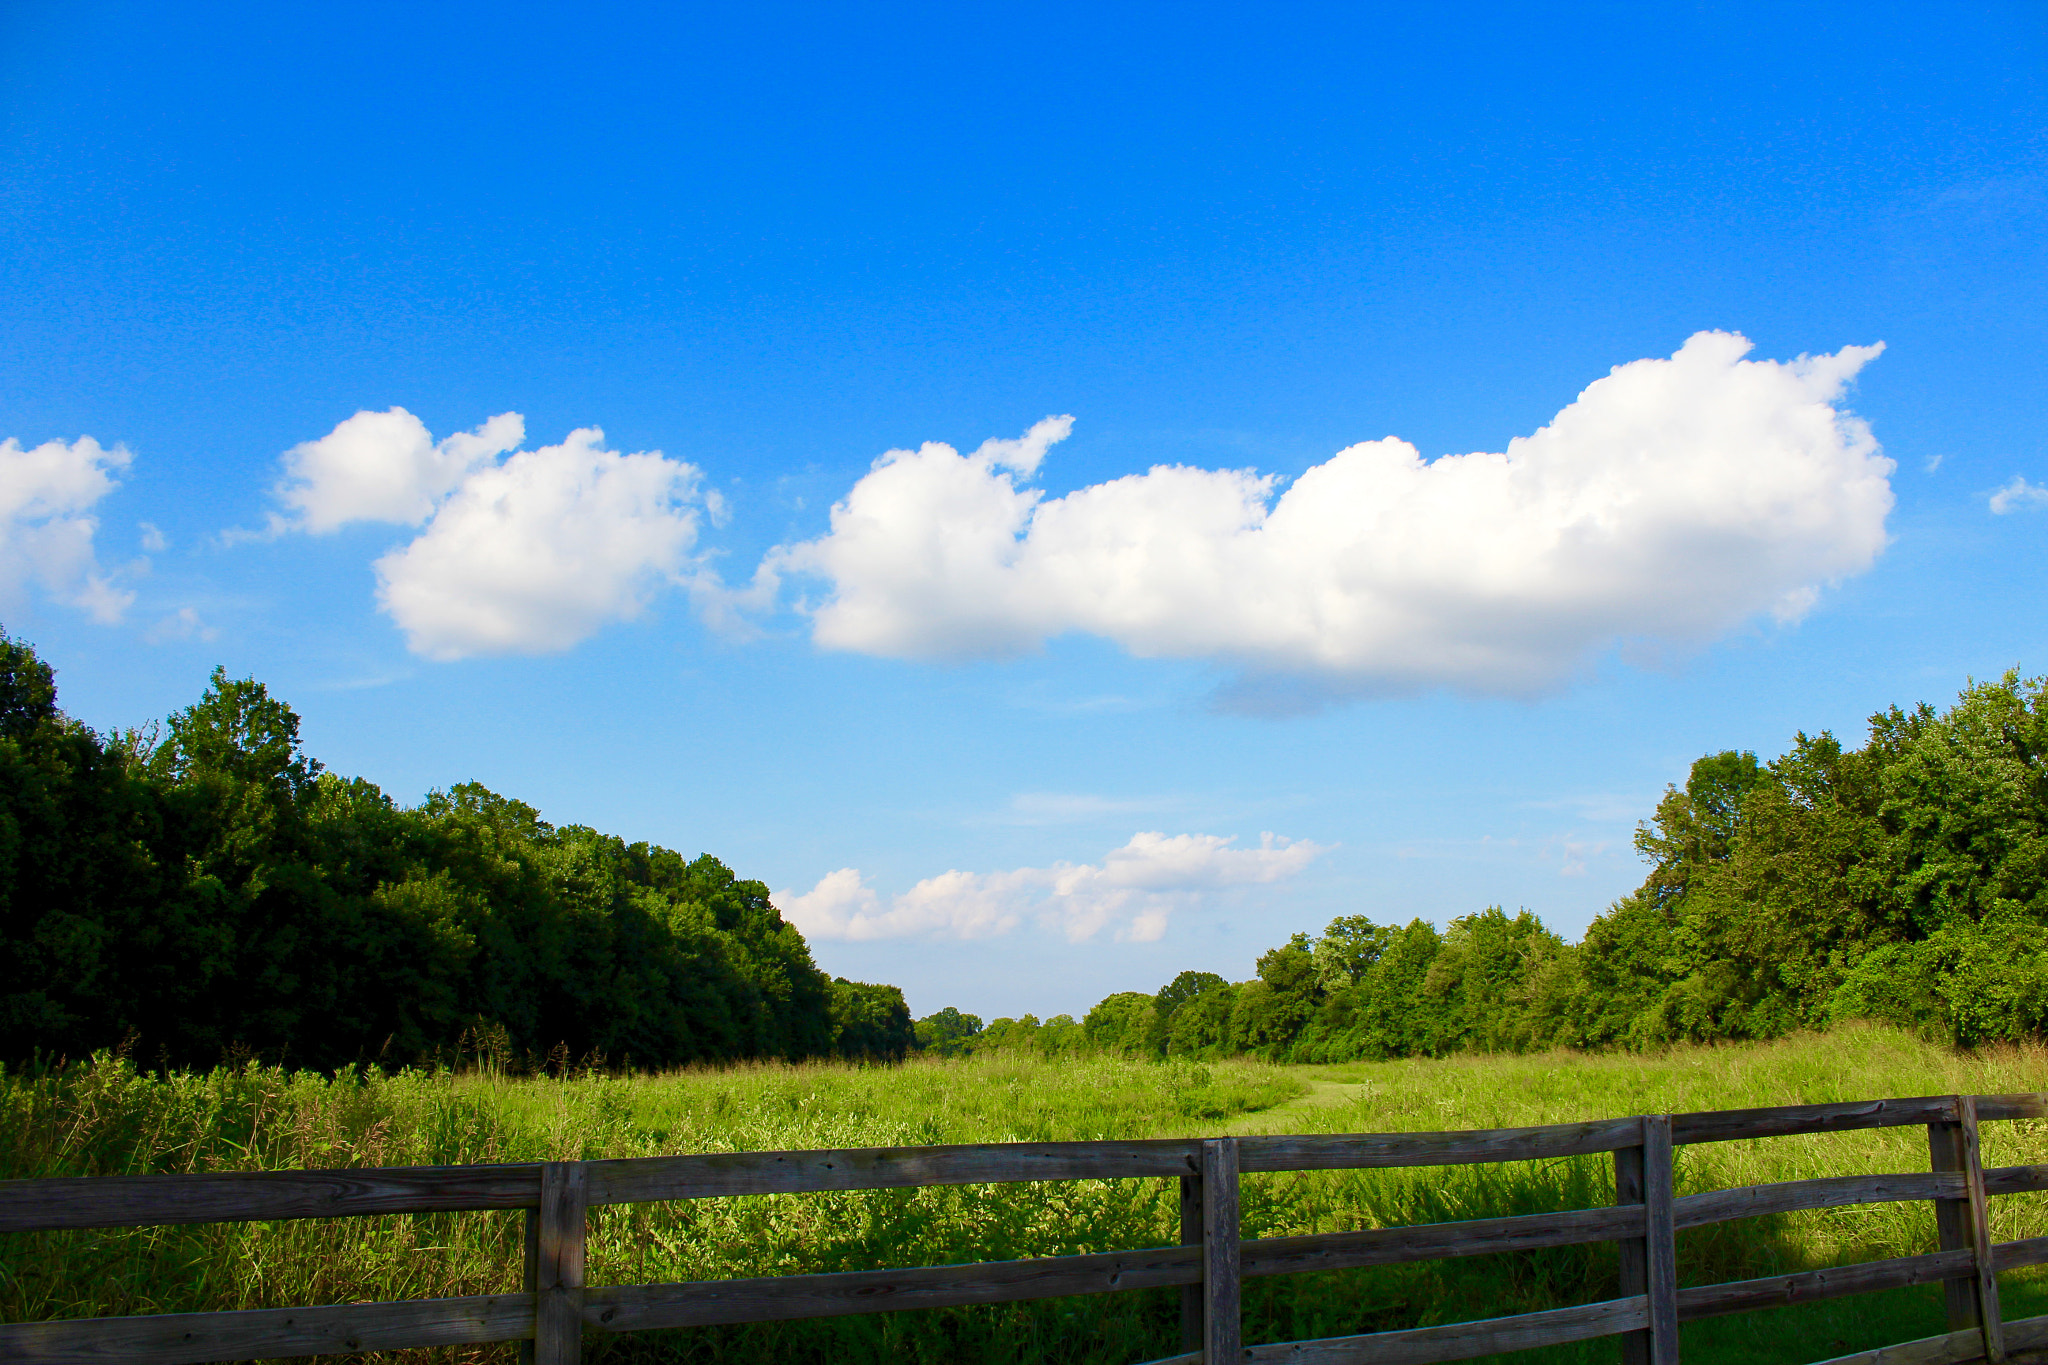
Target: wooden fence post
[[558, 1288], [529, 1279], [1952, 1219], [1222, 1288], [1959, 1223], [1634, 1251], [1191, 1236], [1989, 1321], [1660, 1243]]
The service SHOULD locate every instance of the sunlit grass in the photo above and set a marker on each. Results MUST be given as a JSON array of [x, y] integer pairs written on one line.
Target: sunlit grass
[[103, 1118]]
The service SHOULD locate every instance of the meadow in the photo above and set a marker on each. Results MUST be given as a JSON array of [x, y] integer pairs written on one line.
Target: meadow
[[103, 1117]]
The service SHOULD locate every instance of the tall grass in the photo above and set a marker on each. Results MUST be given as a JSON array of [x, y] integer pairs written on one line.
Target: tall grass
[[102, 1117]]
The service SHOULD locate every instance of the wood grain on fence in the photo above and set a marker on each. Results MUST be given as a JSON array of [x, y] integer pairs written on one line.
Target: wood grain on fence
[[648, 1179], [2014, 1255], [1986, 1272], [1660, 1243], [2014, 1179], [1336, 1151], [1439, 1241], [1191, 1236], [1809, 1286], [1790, 1196], [1727, 1125], [118, 1201], [549, 1317], [255, 1334], [1454, 1340], [1947, 1155], [558, 1286], [633, 1308], [1952, 1348], [1222, 1280], [1632, 1251]]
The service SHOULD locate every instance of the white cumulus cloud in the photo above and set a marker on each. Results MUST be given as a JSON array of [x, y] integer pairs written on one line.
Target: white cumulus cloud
[[1672, 501], [47, 495], [529, 553], [537, 553], [1134, 888], [385, 466], [2018, 494]]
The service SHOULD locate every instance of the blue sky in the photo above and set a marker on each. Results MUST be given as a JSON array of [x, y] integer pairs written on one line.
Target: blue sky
[[1033, 722]]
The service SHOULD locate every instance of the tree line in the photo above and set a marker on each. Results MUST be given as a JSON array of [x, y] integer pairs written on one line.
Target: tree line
[[203, 889], [1904, 881]]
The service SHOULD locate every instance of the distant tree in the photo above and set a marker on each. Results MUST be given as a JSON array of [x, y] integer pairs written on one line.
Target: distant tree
[[1201, 1026], [1175, 993], [1347, 950], [949, 1033], [1120, 1024], [1009, 1035], [870, 1022], [1062, 1037], [1395, 1017], [1269, 1014]]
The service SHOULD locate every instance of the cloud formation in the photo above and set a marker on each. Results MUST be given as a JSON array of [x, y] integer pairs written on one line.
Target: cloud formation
[[528, 554], [385, 466], [1672, 501], [2018, 494], [46, 524], [1134, 888]]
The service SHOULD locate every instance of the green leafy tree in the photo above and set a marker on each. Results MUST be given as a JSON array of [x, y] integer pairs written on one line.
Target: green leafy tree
[[1170, 997], [1120, 1024], [1201, 1026], [949, 1033], [870, 1022], [217, 891]]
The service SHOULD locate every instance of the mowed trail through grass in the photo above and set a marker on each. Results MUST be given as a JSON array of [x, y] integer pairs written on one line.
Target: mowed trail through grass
[[103, 1118], [1321, 1090]]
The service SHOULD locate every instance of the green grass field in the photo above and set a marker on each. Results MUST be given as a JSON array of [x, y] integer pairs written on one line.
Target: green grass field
[[105, 1119]]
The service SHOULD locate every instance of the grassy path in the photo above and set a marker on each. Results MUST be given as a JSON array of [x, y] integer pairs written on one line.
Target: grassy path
[[1324, 1092]]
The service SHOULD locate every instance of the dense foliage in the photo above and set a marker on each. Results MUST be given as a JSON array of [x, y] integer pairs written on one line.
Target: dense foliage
[[1905, 881], [205, 888]]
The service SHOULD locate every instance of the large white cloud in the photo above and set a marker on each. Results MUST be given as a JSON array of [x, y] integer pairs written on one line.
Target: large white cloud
[[1135, 888], [537, 553], [385, 466], [526, 554], [46, 524], [1672, 501]]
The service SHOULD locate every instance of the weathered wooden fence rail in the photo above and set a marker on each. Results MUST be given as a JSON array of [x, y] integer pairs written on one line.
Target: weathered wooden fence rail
[[555, 1308]]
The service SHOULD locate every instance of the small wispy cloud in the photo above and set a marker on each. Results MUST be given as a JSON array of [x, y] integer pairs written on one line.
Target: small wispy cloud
[[1073, 808], [2019, 495], [1600, 808], [182, 624], [1572, 853], [1133, 891], [362, 683]]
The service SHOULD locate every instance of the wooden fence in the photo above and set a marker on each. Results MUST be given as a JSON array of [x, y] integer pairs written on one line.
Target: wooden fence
[[554, 1310]]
